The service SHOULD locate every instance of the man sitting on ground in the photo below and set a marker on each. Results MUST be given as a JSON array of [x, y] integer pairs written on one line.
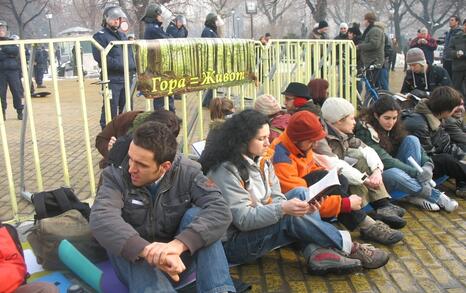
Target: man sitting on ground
[[154, 208]]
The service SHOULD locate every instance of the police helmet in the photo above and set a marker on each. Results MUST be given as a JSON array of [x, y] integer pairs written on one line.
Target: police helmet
[[14, 37], [152, 11], [4, 23], [181, 18], [112, 12]]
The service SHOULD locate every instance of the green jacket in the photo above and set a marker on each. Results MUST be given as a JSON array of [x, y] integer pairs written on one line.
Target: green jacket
[[372, 46], [369, 136]]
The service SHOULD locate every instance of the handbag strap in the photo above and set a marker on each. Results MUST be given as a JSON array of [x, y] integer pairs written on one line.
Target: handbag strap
[[39, 205]]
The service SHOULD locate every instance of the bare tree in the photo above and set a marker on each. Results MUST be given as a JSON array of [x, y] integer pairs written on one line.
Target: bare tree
[[318, 9], [341, 11], [433, 14], [274, 9], [24, 11], [88, 11]]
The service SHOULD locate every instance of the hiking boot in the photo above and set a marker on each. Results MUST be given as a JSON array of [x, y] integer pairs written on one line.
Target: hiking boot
[[389, 216], [20, 116], [447, 203], [370, 257], [326, 260], [397, 209], [381, 233]]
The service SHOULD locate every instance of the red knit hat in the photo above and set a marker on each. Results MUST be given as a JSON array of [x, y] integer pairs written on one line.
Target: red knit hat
[[305, 125]]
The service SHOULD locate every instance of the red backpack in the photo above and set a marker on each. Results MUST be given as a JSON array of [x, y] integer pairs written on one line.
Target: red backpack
[[13, 271]]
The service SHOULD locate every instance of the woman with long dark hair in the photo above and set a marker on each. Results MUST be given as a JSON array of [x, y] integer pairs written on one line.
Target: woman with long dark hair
[[263, 218], [381, 128]]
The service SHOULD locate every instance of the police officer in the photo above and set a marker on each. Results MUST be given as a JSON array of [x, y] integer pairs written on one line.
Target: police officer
[[10, 73], [153, 30], [113, 17], [210, 31], [40, 66], [177, 27]]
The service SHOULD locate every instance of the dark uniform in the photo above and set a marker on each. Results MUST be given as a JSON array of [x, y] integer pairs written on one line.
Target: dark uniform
[[176, 32], [153, 30], [10, 76], [115, 68], [210, 31], [40, 66]]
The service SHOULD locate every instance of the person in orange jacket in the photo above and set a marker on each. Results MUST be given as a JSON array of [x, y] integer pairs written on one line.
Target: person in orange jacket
[[292, 158]]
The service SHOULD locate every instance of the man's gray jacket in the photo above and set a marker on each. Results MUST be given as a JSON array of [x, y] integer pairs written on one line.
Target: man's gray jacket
[[126, 218]]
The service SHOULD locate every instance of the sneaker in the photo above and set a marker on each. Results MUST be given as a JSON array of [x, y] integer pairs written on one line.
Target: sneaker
[[423, 203], [326, 260], [370, 257], [381, 233], [389, 216], [461, 192], [20, 116], [447, 203]]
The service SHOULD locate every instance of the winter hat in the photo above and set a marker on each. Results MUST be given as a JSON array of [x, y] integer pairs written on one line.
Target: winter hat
[[322, 24], [297, 89], [415, 56], [305, 125], [335, 109], [343, 25], [267, 105]]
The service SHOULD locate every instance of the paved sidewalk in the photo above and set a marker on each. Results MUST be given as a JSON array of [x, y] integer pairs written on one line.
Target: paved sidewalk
[[431, 258]]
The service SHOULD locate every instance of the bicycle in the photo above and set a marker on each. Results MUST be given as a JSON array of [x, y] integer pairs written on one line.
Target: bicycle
[[373, 93]]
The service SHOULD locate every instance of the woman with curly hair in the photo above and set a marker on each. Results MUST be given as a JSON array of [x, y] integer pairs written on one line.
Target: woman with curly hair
[[263, 218], [381, 129]]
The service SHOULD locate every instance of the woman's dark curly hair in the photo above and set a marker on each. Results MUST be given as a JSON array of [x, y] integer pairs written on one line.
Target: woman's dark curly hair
[[229, 142], [389, 140]]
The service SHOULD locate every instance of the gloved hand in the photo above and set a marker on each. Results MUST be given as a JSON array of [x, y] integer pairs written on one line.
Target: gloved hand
[[426, 174], [426, 190]]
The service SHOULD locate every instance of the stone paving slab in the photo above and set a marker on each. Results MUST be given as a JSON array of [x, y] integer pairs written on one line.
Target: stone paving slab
[[431, 258]]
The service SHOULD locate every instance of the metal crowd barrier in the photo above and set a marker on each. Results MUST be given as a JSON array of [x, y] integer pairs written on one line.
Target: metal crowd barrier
[[277, 64]]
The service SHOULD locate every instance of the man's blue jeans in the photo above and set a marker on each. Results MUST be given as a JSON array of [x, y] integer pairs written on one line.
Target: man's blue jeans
[[117, 103], [209, 263], [399, 180], [247, 246]]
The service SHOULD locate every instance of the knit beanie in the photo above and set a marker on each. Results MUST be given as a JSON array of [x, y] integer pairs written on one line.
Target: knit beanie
[[335, 109], [343, 25], [304, 125], [415, 56], [322, 24], [267, 105]]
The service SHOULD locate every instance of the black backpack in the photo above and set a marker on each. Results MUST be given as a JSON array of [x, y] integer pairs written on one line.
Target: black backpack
[[55, 202]]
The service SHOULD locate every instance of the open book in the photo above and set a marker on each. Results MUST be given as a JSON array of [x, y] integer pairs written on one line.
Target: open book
[[198, 147], [322, 187]]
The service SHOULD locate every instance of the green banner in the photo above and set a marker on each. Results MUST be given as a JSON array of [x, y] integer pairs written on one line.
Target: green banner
[[170, 66]]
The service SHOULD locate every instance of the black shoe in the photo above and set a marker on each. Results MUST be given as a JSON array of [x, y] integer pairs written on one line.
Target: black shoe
[[4, 116], [20, 116], [389, 217]]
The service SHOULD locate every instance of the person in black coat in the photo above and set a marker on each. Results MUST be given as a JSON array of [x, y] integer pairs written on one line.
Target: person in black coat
[[41, 61], [10, 75], [112, 18], [210, 31], [153, 30], [427, 123]]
